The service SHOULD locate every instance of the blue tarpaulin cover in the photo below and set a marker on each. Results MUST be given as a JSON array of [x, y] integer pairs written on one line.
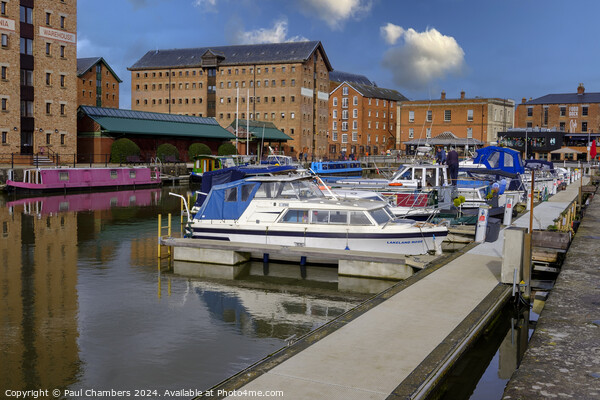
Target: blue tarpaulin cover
[[228, 201]]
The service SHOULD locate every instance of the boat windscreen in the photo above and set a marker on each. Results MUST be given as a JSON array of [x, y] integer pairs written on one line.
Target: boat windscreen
[[380, 216], [288, 190]]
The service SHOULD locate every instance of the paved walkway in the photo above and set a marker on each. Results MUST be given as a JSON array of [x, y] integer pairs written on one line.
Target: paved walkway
[[368, 357], [563, 357]]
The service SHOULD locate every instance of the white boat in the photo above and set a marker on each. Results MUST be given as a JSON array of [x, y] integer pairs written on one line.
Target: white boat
[[292, 211]]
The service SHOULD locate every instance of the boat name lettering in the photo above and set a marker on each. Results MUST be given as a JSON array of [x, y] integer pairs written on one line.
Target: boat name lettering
[[404, 241], [284, 204]]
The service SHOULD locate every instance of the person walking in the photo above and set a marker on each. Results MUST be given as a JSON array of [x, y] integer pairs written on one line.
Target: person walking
[[452, 161]]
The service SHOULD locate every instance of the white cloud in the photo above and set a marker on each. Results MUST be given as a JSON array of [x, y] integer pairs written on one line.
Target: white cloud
[[391, 33], [422, 58], [206, 5], [276, 34], [336, 12]]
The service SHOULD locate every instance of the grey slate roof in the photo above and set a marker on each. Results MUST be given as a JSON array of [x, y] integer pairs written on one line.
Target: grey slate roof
[[340, 76], [270, 53], [566, 98], [85, 64], [376, 92]]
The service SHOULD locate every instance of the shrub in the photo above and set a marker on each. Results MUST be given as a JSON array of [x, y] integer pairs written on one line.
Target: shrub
[[121, 149], [167, 149], [198, 149], [226, 149]]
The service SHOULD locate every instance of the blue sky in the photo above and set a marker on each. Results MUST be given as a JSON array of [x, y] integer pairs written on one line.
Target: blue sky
[[502, 48]]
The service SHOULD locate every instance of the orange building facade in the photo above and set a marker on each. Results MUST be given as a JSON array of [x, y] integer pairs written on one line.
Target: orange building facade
[[363, 120], [476, 118], [97, 83]]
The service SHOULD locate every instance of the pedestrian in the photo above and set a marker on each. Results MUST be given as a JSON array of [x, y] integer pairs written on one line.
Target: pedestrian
[[300, 156], [440, 156], [452, 161]]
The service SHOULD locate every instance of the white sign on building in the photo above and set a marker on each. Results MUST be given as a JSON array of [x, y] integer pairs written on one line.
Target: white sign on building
[[63, 36], [7, 24], [573, 111]]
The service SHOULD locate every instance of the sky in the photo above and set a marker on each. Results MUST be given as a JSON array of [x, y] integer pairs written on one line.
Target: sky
[[506, 49]]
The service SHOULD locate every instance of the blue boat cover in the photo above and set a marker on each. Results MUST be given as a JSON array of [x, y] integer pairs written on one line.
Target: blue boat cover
[[228, 200], [502, 158], [540, 165]]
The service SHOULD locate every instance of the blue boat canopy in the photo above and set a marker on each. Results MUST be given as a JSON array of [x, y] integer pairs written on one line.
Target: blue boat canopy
[[500, 158], [228, 200]]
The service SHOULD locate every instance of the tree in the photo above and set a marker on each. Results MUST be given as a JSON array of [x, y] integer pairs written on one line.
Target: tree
[[121, 149], [226, 149], [197, 149], [166, 150]]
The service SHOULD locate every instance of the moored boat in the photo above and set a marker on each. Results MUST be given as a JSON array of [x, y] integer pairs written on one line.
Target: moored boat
[[57, 179], [335, 170], [292, 211]]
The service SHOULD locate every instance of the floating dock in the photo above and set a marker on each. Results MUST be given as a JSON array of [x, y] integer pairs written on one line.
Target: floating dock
[[402, 342]]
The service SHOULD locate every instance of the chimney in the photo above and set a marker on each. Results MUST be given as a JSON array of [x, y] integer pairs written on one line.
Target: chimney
[[523, 100], [462, 94], [580, 89], [443, 95]]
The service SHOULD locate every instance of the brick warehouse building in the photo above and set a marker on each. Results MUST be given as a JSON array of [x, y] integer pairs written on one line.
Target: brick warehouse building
[[38, 63], [473, 118], [97, 83], [363, 119], [283, 83]]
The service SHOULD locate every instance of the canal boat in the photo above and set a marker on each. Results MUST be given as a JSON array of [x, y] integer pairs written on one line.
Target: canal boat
[[292, 211], [334, 170], [69, 179]]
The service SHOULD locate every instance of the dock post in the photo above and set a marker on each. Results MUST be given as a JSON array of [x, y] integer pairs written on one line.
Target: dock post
[[302, 261], [512, 255], [159, 234], [482, 221], [266, 258], [508, 211], [527, 247]]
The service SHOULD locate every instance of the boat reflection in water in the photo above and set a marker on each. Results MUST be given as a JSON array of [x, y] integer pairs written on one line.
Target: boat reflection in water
[[48, 205], [78, 282]]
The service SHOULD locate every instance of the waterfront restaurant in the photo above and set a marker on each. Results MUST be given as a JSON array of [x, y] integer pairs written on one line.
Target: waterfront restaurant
[[463, 146], [98, 128], [546, 144]]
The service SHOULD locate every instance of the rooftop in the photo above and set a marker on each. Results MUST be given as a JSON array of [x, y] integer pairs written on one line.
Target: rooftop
[[85, 64], [270, 53]]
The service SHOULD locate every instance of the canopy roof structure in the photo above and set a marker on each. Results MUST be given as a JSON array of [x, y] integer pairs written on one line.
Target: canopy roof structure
[[112, 120], [446, 139], [259, 130]]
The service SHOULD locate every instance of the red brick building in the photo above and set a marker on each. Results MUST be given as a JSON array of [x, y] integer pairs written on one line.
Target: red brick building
[[97, 83], [473, 118], [362, 119], [564, 112], [283, 83]]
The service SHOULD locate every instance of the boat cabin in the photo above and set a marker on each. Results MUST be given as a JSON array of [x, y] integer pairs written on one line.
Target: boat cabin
[[418, 176]]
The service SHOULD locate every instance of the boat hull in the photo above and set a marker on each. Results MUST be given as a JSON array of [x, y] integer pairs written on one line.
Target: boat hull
[[80, 179], [414, 240]]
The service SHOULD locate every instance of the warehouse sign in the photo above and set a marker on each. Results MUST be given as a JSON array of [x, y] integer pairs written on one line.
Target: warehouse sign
[[58, 35], [7, 24], [574, 111]]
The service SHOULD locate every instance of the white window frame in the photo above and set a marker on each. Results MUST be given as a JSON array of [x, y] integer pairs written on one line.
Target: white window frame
[[411, 116]]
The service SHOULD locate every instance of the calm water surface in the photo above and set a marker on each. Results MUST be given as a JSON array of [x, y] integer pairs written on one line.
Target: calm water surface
[[84, 306]]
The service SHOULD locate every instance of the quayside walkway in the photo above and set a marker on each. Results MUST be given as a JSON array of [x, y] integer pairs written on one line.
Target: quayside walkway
[[562, 360], [394, 345]]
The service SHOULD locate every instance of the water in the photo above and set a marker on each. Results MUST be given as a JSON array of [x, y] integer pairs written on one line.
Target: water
[[85, 306]]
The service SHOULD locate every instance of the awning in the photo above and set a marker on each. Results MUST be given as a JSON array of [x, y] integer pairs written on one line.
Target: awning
[[565, 150]]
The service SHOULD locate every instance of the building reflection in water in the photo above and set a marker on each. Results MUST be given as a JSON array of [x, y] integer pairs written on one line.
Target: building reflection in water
[[38, 319]]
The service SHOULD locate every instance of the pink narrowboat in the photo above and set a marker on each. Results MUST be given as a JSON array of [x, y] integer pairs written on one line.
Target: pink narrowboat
[[54, 179]]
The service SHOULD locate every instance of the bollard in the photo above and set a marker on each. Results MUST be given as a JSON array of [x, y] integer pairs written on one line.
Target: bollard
[[508, 211], [482, 220]]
